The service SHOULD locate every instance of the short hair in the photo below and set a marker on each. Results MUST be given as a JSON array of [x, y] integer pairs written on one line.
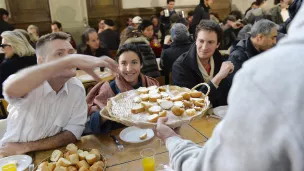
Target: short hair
[[238, 14], [43, 41], [183, 21], [19, 43], [259, 2], [59, 25], [173, 18], [3, 12], [211, 26], [33, 27], [230, 18], [168, 1], [144, 25], [109, 22], [190, 13], [129, 47], [263, 27]]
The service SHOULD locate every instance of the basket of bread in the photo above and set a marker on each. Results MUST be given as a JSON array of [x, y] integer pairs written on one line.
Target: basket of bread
[[74, 159], [143, 107]]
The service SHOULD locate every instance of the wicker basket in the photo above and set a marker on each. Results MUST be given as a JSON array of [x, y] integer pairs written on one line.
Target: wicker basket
[[118, 109], [102, 158]]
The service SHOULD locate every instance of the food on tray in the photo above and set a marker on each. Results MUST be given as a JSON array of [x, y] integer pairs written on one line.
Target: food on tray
[[96, 152], [143, 137], [164, 94], [72, 168], [190, 112], [177, 98], [82, 163], [198, 104], [154, 91], [197, 108], [144, 97], [63, 162], [137, 99], [162, 89], [142, 90], [187, 103], [196, 94], [83, 155], [197, 100], [179, 104], [162, 113], [56, 155], [186, 96], [146, 105], [153, 118], [166, 104], [178, 111], [60, 168], [154, 110], [138, 108], [152, 88], [72, 148], [91, 159], [154, 97]]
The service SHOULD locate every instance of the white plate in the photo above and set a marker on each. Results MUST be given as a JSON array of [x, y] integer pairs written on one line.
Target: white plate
[[23, 161], [132, 134], [220, 111]]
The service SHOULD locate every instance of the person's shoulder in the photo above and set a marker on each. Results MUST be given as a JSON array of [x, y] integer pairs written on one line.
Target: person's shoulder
[[75, 83]]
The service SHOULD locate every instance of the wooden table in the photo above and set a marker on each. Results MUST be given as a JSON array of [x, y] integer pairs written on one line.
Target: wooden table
[[129, 160]]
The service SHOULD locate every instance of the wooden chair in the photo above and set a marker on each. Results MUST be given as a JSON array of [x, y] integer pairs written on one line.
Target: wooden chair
[[3, 109], [170, 78], [161, 80]]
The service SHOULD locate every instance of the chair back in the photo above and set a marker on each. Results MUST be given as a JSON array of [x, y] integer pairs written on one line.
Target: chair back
[[3, 123], [161, 80]]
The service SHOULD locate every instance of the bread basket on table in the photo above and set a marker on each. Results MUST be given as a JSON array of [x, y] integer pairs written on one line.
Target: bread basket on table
[[118, 108]]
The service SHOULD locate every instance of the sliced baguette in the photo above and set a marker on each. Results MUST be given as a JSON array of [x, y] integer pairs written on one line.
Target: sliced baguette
[[138, 108], [74, 158], [190, 112], [153, 118], [166, 104], [56, 155], [91, 159], [63, 162], [144, 136], [154, 110], [162, 113]]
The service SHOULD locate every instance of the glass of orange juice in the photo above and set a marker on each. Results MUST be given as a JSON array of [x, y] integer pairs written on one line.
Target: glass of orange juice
[[9, 167], [148, 160]]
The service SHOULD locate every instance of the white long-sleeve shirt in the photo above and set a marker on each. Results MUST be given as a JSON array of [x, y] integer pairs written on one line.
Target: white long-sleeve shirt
[[263, 129]]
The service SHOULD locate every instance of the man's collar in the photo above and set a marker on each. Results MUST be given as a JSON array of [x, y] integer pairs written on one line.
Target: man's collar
[[48, 89]]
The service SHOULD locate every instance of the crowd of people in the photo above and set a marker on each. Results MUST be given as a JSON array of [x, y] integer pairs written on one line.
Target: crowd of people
[[49, 108]]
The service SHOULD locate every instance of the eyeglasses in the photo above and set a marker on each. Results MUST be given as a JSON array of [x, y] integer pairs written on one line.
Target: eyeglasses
[[4, 45]]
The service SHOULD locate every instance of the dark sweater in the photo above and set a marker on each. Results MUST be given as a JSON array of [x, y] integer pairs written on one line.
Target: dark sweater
[[109, 39], [201, 12], [14, 64]]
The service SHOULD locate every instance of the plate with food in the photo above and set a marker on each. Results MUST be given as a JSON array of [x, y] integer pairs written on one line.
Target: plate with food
[[144, 106], [74, 159], [21, 162], [136, 135]]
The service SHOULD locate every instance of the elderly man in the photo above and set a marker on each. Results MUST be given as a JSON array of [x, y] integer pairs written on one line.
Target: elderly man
[[204, 63], [263, 129], [263, 36], [49, 110]]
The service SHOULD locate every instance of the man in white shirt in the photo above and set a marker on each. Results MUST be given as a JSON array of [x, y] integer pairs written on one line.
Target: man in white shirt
[[46, 102]]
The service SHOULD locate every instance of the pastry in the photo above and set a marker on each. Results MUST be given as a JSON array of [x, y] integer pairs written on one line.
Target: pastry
[[137, 99], [154, 91], [177, 98], [63, 162], [144, 97], [51, 166], [164, 94], [152, 88], [83, 169], [142, 90], [162, 89], [177, 110], [197, 108], [162, 113], [82, 163], [83, 155], [153, 118], [60, 168], [72, 148], [154, 110], [187, 103], [190, 112], [56, 155], [144, 136], [74, 158], [196, 94], [179, 104], [146, 105], [138, 108], [154, 97], [197, 100], [91, 159], [72, 168], [166, 105], [96, 152], [198, 104], [186, 96]]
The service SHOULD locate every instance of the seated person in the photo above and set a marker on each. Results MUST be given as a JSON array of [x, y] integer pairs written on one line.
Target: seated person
[[146, 28], [91, 44], [18, 53], [50, 111], [229, 37], [150, 66], [263, 36], [57, 27], [204, 63], [109, 38], [181, 44], [130, 62]]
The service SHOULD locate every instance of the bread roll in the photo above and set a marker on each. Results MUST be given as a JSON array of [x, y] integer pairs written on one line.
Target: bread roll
[[67, 155], [197, 108], [154, 91], [72, 168], [190, 112], [162, 89], [142, 90], [152, 88], [177, 98], [61, 168], [91, 159], [196, 94], [177, 110], [147, 105], [82, 163], [43, 166], [100, 163], [164, 94], [63, 162], [138, 108], [154, 97], [153, 118], [95, 167], [79, 151], [179, 104], [144, 97], [96, 152], [162, 113], [51, 166], [166, 105], [56, 155], [187, 103], [144, 136], [74, 158], [83, 155], [137, 99], [154, 110], [84, 169], [200, 100], [186, 96], [198, 104], [72, 148]]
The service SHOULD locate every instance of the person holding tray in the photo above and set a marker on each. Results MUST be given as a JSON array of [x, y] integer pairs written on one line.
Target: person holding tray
[[130, 62]]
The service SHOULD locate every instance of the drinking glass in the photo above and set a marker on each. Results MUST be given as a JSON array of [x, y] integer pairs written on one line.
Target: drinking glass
[[148, 159]]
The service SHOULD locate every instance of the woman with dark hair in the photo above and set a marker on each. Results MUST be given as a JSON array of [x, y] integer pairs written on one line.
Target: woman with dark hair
[[252, 6], [156, 27], [130, 61], [91, 44]]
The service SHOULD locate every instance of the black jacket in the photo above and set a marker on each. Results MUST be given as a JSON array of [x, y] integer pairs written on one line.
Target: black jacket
[[185, 73], [228, 38], [292, 9], [99, 52], [150, 66], [170, 55], [12, 65], [243, 51], [5, 26], [109, 39], [201, 12]]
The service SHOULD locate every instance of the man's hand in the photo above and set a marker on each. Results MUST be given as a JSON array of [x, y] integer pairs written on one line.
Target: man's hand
[[162, 131], [88, 63], [226, 68], [9, 149]]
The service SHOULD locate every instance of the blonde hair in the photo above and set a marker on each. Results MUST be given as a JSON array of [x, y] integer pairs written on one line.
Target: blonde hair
[[19, 43], [33, 27]]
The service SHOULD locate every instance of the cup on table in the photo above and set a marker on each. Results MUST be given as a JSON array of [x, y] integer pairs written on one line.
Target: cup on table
[[148, 159]]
